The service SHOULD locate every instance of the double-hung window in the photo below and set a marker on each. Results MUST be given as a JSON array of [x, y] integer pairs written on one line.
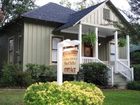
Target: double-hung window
[[55, 41]]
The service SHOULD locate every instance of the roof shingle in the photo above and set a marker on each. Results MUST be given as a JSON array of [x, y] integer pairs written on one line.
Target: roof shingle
[[50, 12]]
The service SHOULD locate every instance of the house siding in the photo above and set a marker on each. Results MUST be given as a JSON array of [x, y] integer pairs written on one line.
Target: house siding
[[96, 17], [123, 52], [37, 43], [14, 30], [3, 49]]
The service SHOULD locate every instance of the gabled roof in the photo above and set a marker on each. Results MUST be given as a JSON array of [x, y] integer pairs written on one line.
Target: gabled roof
[[75, 17], [50, 12]]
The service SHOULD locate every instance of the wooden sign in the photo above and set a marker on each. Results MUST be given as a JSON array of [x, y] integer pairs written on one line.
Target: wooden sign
[[70, 60]]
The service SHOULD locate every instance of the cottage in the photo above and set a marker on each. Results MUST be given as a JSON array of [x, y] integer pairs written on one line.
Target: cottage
[[33, 37]]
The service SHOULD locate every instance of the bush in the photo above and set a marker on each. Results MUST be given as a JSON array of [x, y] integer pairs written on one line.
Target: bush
[[42, 73], [136, 72], [135, 85], [12, 75], [70, 93], [135, 57], [95, 73]]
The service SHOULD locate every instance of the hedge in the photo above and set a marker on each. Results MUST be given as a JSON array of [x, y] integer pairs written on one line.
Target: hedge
[[136, 72], [135, 85]]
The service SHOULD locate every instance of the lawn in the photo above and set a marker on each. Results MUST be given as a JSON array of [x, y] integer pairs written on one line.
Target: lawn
[[122, 97], [113, 97], [11, 96]]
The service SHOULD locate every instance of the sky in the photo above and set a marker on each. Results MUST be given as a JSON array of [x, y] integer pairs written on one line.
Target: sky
[[122, 4]]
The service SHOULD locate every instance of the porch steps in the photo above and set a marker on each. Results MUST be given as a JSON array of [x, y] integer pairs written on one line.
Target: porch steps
[[120, 81]]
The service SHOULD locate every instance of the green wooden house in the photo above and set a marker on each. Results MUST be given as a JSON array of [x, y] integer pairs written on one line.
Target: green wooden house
[[33, 37]]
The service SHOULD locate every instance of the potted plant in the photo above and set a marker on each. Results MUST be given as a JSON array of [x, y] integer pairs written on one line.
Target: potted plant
[[89, 38], [122, 42]]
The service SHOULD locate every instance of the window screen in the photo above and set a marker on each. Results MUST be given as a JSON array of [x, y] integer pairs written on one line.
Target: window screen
[[106, 14]]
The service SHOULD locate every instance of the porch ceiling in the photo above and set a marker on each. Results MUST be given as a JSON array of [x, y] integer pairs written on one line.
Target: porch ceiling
[[103, 32]]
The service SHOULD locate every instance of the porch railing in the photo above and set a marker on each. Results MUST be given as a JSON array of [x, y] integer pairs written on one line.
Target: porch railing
[[89, 59]]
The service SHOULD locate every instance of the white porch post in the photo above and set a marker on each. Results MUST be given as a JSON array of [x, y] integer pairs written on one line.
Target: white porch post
[[96, 43], [80, 45], [116, 49], [128, 50]]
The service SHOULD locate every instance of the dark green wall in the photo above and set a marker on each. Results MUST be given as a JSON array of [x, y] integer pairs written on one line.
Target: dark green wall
[[13, 29]]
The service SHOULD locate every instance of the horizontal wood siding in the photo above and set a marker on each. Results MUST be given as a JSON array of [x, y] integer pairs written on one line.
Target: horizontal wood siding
[[36, 44], [96, 17]]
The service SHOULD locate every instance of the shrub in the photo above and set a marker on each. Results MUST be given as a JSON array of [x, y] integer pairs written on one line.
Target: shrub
[[12, 75], [70, 93], [137, 72], [135, 57], [135, 85], [42, 73], [95, 73], [23, 79]]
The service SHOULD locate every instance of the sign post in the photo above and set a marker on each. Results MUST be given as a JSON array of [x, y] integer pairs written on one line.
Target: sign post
[[67, 58]]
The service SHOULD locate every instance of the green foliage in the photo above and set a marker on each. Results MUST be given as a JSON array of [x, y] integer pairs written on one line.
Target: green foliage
[[121, 42], [42, 73], [14, 8], [135, 85], [12, 75], [90, 38], [135, 57], [70, 93], [78, 5], [136, 72], [95, 73]]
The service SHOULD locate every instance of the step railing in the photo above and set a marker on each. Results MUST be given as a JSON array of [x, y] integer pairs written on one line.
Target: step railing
[[125, 70]]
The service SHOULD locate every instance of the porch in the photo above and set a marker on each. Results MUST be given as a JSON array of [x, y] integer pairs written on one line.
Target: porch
[[105, 50]]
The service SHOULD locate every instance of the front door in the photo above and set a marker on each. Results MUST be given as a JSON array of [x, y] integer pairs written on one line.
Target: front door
[[112, 51]]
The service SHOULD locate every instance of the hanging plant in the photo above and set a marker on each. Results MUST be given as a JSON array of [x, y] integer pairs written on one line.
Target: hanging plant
[[89, 38], [122, 42]]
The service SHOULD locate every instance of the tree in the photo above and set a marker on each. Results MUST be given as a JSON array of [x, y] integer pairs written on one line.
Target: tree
[[65, 3], [1, 16], [135, 9], [77, 5], [134, 17], [14, 8]]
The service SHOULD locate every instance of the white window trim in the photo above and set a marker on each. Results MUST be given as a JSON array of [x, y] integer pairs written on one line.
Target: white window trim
[[51, 45]]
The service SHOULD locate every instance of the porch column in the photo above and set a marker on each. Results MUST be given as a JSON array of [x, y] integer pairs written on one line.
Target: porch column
[[80, 45], [96, 43], [116, 49], [128, 50]]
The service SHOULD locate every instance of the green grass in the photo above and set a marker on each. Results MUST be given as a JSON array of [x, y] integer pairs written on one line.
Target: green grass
[[113, 97], [122, 97], [11, 96]]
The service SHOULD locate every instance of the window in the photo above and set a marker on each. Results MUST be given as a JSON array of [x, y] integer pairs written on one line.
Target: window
[[106, 14], [55, 41], [11, 50]]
